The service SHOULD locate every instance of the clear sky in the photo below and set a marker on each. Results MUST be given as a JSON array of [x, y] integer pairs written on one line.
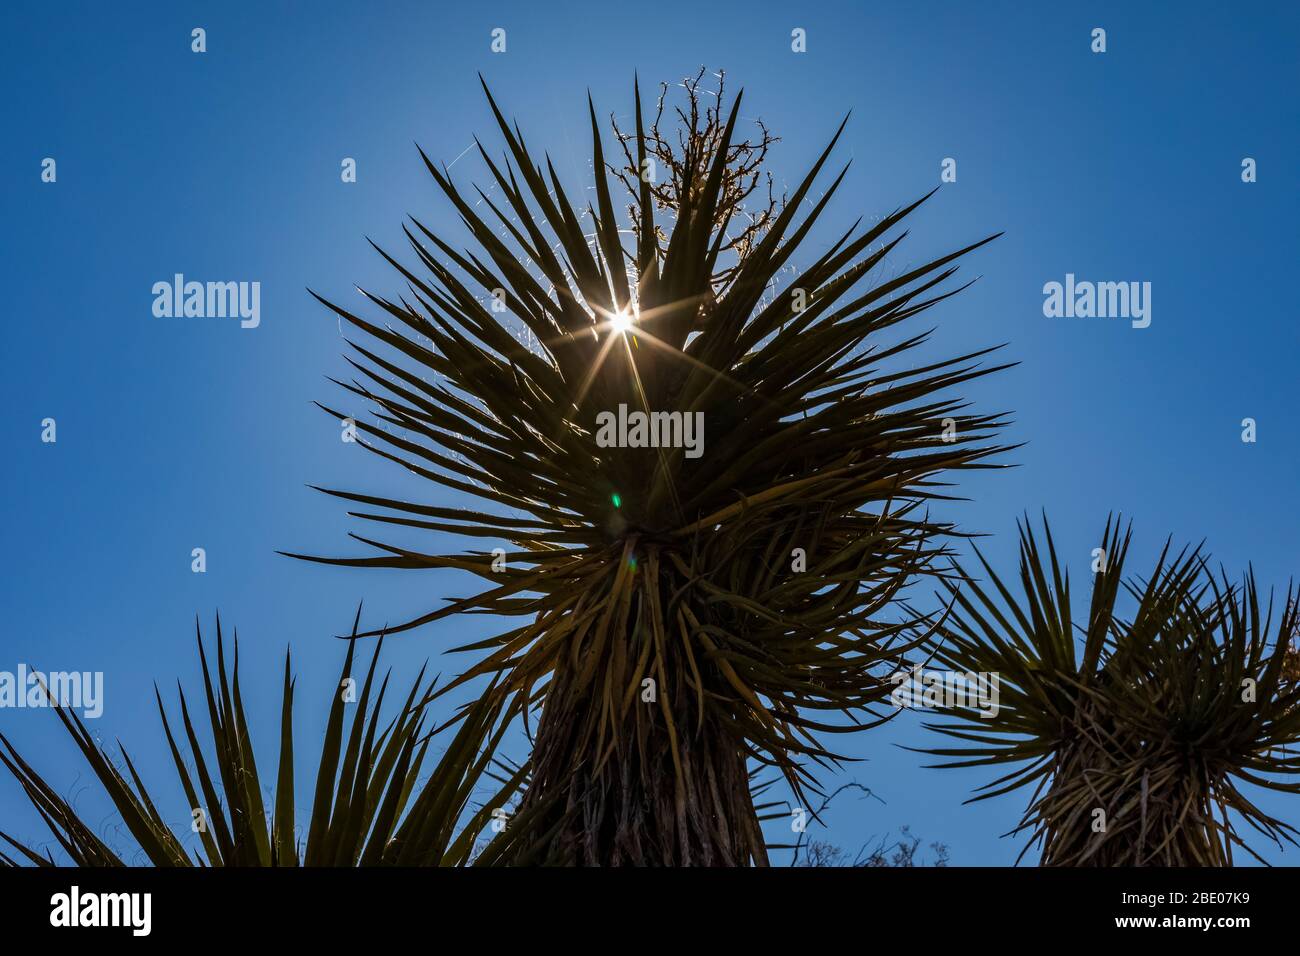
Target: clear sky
[[175, 434]]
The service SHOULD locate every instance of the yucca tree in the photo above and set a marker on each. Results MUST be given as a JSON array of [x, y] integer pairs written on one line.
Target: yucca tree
[[1135, 723], [680, 615], [368, 809]]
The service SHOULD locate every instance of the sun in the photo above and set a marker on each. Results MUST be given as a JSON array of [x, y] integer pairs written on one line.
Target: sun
[[621, 321]]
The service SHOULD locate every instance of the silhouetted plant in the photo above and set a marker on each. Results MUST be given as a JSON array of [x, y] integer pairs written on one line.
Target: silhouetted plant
[[900, 853], [1133, 725], [368, 809], [691, 144], [665, 634]]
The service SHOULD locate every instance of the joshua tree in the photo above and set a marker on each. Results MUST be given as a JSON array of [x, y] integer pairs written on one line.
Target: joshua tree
[[690, 604], [1133, 726], [362, 814]]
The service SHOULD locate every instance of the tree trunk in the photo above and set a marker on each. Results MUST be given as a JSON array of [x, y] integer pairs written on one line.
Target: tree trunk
[[1114, 802], [626, 769]]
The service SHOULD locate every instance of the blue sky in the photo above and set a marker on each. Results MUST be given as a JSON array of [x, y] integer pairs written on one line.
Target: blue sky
[[175, 434]]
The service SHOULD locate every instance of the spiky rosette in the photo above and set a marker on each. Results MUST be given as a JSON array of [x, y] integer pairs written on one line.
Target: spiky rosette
[[689, 606], [1136, 724]]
